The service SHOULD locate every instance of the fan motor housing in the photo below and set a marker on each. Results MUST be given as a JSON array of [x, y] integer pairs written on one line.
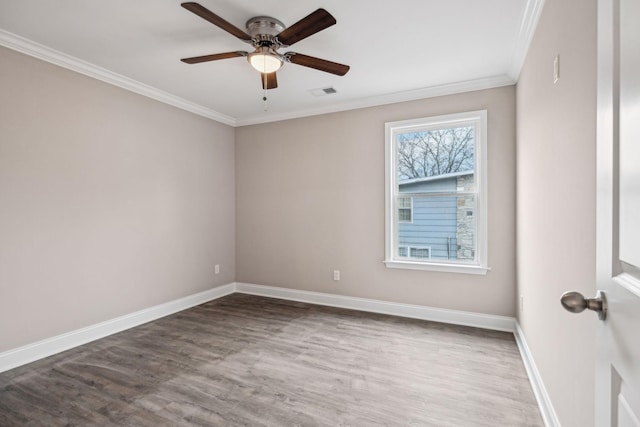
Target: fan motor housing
[[264, 25]]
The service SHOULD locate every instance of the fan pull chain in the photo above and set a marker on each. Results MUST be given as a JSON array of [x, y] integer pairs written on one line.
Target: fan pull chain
[[264, 96]]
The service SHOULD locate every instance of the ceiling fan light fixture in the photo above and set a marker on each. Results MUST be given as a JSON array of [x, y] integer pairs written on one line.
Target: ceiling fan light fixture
[[267, 35], [265, 61]]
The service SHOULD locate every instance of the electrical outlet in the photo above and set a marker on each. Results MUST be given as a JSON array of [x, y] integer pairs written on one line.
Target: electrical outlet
[[336, 275], [217, 269], [556, 69]]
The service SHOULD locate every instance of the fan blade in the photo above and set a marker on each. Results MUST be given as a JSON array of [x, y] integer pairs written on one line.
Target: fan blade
[[207, 15], [269, 81], [315, 22], [317, 63], [214, 57]]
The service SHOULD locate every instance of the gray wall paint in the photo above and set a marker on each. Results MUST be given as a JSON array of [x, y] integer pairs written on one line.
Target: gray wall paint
[[556, 202], [310, 200], [109, 202]]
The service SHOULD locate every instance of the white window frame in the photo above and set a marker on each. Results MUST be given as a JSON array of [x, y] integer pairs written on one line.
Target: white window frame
[[392, 260]]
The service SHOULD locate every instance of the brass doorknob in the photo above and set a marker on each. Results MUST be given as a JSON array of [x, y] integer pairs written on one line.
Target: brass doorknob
[[575, 302]]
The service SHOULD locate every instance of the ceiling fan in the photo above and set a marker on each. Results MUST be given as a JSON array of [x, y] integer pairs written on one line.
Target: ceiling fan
[[267, 35]]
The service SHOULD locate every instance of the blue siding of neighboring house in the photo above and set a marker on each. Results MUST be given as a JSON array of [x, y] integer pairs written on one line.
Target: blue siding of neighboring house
[[434, 222]]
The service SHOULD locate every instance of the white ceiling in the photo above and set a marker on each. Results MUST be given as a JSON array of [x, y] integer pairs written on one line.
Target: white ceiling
[[397, 50]]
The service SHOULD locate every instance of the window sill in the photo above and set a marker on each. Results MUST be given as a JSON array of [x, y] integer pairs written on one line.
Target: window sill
[[448, 268]]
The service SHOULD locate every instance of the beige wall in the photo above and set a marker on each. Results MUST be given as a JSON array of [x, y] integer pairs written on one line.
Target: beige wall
[[556, 202], [109, 202], [310, 200]]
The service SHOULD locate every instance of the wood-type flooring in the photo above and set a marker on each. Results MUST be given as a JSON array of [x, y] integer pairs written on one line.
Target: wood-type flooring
[[244, 360]]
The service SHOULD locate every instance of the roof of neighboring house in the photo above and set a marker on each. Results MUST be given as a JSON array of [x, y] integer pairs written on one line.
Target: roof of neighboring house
[[435, 177]]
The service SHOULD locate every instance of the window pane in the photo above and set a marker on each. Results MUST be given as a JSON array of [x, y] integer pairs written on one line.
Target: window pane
[[435, 162], [446, 225], [426, 158], [404, 215], [404, 209], [404, 202], [420, 252]]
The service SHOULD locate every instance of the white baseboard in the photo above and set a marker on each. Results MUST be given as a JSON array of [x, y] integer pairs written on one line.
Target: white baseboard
[[456, 317], [29, 353], [544, 402]]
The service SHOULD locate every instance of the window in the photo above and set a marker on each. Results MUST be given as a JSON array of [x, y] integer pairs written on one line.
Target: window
[[405, 209], [414, 252], [436, 212], [420, 252]]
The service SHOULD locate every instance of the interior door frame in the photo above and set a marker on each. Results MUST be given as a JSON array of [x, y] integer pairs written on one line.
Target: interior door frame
[[608, 226], [606, 185]]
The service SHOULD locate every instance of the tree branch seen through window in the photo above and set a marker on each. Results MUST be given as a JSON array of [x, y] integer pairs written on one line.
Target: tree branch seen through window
[[435, 152]]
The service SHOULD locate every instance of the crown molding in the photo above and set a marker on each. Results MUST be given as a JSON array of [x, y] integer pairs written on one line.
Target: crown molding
[[37, 50], [533, 10], [391, 98], [528, 25]]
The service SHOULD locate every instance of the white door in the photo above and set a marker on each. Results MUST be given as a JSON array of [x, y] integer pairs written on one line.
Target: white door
[[618, 214]]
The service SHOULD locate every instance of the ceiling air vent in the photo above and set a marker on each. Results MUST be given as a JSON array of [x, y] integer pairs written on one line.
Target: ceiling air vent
[[323, 91]]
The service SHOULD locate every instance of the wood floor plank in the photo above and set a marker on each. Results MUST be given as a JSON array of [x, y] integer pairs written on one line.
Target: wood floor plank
[[252, 361]]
